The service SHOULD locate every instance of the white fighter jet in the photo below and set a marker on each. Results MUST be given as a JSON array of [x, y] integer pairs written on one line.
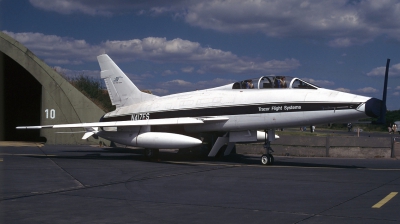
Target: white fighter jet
[[217, 118]]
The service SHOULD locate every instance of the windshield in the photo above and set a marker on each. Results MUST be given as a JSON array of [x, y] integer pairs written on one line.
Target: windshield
[[273, 82]]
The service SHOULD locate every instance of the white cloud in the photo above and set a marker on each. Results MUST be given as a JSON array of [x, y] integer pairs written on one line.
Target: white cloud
[[367, 90], [343, 90], [379, 71], [321, 83], [159, 91], [187, 70], [107, 7], [54, 48], [177, 82], [146, 76], [62, 61], [140, 80], [169, 72], [341, 42], [178, 85], [68, 7], [214, 83], [347, 42], [397, 88], [200, 71], [396, 94], [341, 23], [246, 66], [394, 70], [74, 73], [61, 50]]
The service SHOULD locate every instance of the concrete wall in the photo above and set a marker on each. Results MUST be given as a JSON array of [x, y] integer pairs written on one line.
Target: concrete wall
[[338, 146], [61, 102]]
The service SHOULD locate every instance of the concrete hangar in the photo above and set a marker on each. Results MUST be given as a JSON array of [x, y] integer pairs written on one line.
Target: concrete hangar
[[32, 93]]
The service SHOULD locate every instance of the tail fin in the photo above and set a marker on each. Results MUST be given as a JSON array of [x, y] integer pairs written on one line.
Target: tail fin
[[121, 89]]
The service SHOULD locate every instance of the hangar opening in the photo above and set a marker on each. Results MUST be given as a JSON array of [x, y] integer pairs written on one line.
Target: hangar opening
[[21, 101], [29, 89]]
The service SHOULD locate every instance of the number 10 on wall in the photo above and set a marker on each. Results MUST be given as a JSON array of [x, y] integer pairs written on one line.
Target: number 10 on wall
[[50, 113]]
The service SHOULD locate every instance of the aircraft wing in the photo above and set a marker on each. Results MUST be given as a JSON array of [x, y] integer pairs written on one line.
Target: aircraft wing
[[165, 121], [213, 119]]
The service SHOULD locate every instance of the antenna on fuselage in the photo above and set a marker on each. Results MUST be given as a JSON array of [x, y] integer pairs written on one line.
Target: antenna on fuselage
[[382, 118]]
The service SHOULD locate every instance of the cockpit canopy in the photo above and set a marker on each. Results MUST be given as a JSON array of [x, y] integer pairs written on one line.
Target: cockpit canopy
[[270, 82]]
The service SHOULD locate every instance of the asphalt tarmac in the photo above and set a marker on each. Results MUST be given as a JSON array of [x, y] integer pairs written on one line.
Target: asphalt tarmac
[[83, 184]]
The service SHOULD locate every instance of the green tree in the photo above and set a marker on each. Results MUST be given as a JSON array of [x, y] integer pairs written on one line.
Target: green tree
[[392, 116], [93, 89]]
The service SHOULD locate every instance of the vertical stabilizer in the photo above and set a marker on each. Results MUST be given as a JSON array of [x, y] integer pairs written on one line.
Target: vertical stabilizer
[[121, 89]]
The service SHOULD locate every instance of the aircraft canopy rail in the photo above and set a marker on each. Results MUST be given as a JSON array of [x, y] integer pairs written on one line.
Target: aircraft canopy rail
[[274, 82]]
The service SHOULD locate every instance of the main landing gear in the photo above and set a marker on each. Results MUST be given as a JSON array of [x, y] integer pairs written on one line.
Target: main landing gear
[[151, 153], [267, 158]]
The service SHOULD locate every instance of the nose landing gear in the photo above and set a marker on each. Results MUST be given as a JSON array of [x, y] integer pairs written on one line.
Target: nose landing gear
[[268, 158]]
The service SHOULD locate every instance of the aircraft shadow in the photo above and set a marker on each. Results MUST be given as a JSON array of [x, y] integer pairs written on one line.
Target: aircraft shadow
[[172, 157]]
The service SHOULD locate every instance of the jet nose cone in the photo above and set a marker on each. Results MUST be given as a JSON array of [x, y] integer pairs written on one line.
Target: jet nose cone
[[373, 107]]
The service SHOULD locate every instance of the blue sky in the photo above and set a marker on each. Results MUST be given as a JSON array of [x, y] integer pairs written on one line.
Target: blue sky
[[176, 46]]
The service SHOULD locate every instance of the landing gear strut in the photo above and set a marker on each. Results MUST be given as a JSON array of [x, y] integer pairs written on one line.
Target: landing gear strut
[[268, 158]]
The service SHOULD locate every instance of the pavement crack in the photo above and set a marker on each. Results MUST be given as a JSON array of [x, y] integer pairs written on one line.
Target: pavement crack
[[83, 187], [80, 184]]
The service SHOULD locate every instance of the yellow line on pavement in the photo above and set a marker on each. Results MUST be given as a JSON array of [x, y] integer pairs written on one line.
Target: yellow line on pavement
[[1, 159], [385, 200]]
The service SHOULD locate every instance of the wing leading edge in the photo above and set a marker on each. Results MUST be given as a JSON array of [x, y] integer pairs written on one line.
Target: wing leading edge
[[165, 121]]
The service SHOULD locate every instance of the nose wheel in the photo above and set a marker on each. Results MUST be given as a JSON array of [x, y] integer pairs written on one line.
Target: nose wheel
[[267, 159]]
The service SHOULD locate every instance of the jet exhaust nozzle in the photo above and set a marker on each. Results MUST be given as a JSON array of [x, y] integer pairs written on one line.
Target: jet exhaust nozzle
[[373, 107]]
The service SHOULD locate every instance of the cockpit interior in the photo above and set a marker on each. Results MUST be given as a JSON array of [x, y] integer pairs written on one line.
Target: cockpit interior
[[273, 82]]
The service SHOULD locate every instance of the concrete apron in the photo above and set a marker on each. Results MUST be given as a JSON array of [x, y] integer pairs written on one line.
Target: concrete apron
[[338, 146]]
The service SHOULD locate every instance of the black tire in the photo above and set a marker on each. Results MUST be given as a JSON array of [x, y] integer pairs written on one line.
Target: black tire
[[267, 159], [151, 153]]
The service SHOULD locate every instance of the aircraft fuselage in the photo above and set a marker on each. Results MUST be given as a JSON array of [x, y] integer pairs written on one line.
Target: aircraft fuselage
[[249, 108]]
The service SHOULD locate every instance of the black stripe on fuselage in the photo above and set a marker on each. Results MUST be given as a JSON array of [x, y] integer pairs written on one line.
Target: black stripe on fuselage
[[238, 110]]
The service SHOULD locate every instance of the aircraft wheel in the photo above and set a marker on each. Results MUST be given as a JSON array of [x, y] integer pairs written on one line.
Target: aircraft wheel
[[151, 153], [267, 159]]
